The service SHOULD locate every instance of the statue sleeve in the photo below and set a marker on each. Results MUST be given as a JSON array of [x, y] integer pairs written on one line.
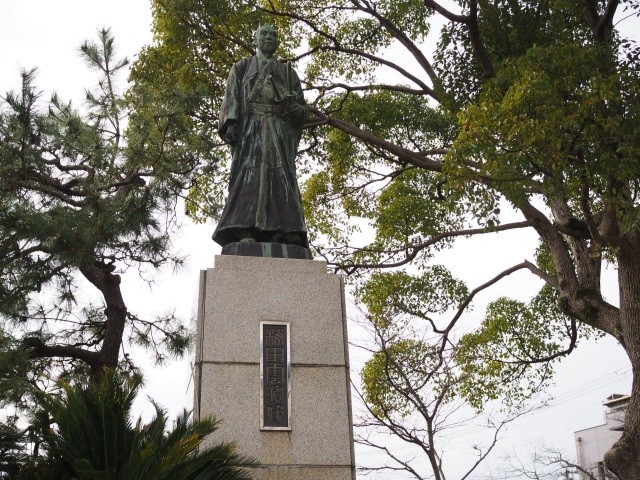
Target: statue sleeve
[[231, 102], [298, 89], [303, 113]]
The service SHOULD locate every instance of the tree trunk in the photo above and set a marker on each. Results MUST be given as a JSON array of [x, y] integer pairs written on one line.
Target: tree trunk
[[624, 457], [103, 278], [116, 313]]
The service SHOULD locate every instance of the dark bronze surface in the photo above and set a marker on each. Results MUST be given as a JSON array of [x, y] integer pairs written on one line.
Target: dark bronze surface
[[261, 118]]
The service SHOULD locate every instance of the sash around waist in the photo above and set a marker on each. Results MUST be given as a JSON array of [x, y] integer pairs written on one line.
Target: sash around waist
[[268, 109]]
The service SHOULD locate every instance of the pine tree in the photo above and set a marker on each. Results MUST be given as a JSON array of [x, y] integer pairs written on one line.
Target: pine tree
[[82, 200]]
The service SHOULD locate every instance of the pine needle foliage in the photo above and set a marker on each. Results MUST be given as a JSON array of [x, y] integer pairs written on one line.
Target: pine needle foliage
[[83, 199]]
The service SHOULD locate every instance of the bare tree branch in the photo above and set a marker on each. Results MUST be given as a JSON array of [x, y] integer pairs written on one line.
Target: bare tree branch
[[402, 153], [413, 250], [399, 35], [38, 349]]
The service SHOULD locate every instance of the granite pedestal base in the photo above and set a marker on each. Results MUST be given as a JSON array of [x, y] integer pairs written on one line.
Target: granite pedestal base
[[235, 297]]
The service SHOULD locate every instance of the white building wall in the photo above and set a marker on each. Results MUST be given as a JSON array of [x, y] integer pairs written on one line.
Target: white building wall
[[592, 444]]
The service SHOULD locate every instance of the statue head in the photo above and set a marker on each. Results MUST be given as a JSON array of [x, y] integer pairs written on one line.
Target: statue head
[[266, 39]]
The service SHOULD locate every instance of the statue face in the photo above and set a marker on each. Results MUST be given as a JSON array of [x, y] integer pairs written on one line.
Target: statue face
[[267, 39]]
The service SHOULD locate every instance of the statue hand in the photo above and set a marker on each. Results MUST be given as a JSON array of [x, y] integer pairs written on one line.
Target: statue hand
[[298, 112], [288, 99]]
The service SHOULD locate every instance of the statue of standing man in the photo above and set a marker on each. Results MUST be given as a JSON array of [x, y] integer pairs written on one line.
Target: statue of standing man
[[261, 118]]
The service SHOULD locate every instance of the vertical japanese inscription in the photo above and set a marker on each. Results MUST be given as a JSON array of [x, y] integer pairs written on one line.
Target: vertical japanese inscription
[[275, 376]]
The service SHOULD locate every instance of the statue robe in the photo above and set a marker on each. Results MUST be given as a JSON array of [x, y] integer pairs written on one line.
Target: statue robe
[[264, 198]]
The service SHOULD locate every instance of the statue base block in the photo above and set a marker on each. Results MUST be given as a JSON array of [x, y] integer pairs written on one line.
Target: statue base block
[[266, 249], [232, 372]]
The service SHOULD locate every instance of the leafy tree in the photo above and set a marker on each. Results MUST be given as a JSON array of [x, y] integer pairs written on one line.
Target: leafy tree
[[527, 107], [94, 438], [411, 385], [83, 199]]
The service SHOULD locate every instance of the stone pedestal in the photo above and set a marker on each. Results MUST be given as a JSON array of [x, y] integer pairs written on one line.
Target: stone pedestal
[[235, 297]]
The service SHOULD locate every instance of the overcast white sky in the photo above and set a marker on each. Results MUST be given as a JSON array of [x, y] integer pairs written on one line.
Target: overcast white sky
[[46, 34]]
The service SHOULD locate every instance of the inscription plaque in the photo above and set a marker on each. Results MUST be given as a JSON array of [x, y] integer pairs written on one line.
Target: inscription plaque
[[275, 376]]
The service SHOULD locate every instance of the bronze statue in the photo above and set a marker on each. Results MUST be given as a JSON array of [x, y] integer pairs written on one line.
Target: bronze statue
[[261, 118]]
